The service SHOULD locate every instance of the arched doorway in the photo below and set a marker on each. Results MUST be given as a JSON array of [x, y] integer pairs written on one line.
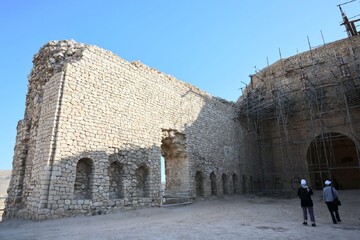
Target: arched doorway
[[199, 187], [175, 163], [334, 156], [225, 183], [83, 181], [235, 181], [116, 175], [213, 184], [142, 181]]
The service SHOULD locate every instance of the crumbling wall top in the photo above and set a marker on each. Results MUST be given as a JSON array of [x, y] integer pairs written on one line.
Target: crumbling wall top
[[50, 60], [52, 57]]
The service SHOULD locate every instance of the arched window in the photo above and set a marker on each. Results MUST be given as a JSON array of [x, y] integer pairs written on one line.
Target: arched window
[[244, 190], [83, 180], [213, 184], [225, 183], [235, 183], [116, 181], [199, 187], [142, 181]]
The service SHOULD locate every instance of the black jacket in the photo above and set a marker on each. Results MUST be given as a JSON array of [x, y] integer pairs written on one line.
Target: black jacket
[[305, 196]]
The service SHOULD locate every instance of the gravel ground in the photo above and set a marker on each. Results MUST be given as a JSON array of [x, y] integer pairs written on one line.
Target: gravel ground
[[231, 217]]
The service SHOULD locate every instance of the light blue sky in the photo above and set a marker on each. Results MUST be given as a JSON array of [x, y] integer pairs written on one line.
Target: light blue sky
[[212, 44]]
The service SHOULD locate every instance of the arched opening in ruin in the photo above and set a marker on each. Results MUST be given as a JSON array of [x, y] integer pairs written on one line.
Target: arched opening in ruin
[[334, 156], [162, 172], [83, 180], [235, 183], [251, 182], [225, 184], [142, 181], [116, 174], [243, 184], [199, 184], [173, 150], [213, 184]]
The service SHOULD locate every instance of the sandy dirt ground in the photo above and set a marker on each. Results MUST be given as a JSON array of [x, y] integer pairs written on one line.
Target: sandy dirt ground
[[231, 217]]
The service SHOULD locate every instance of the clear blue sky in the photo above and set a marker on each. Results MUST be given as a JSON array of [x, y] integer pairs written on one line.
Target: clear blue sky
[[212, 44]]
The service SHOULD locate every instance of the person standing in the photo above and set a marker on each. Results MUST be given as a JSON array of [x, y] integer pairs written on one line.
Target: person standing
[[329, 194], [304, 194]]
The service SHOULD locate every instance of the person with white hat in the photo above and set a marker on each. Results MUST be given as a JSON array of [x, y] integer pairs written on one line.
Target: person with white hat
[[304, 194], [329, 195]]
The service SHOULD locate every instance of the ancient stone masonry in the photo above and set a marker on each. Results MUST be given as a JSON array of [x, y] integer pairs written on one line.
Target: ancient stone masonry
[[302, 119], [95, 129]]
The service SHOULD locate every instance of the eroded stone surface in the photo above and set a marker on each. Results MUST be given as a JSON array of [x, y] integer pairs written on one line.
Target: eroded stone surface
[[96, 127], [93, 133]]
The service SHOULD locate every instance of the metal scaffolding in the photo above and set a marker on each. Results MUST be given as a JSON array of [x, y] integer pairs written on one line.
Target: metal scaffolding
[[300, 105]]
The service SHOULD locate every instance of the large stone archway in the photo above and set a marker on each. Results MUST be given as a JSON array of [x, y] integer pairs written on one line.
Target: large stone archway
[[173, 149], [334, 156]]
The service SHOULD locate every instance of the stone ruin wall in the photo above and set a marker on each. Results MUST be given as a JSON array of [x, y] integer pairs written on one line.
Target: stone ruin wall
[[292, 82], [93, 119], [25, 179]]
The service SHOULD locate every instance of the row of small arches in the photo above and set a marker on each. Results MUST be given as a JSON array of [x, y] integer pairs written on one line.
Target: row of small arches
[[139, 182], [228, 187]]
